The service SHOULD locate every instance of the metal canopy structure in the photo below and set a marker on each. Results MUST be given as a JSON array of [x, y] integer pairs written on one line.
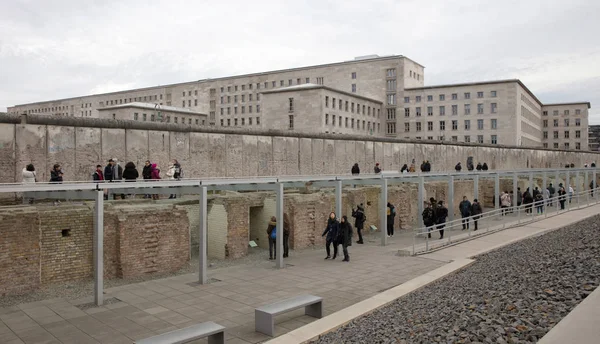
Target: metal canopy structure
[[95, 191]]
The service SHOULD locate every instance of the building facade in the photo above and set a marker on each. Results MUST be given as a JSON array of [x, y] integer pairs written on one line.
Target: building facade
[[565, 126], [594, 138], [496, 112]]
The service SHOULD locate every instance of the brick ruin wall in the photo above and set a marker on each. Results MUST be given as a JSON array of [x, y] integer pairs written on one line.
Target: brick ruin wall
[[44, 244]]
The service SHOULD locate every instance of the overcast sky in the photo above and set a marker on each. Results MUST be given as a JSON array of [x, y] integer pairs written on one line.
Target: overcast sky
[[64, 48]]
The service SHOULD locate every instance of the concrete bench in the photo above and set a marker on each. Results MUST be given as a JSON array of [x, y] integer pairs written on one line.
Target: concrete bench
[[265, 316], [213, 331]]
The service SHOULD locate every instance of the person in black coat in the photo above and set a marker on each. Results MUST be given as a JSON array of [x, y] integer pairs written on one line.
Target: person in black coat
[[56, 174], [484, 167], [479, 167], [441, 214], [458, 167], [147, 174], [465, 212], [130, 174], [345, 237], [355, 170], [359, 222], [332, 232]]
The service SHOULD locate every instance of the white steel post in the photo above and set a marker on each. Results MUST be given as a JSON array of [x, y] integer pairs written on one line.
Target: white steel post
[[279, 240], [203, 236], [383, 200], [99, 249]]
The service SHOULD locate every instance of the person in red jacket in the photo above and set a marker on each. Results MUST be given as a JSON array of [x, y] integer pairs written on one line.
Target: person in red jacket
[[155, 175]]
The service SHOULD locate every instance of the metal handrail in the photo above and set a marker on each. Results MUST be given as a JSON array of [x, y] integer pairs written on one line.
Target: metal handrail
[[588, 195]]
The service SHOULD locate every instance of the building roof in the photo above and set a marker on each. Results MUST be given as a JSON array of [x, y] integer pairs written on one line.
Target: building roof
[[589, 105], [306, 87], [150, 106], [360, 60]]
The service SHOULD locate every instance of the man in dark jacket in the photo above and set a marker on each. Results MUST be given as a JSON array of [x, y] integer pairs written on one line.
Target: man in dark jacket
[[377, 169], [427, 166], [112, 172], [355, 170], [441, 214], [551, 191], [147, 174], [484, 167], [56, 174], [458, 167], [391, 216], [359, 222], [345, 237], [428, 218], [331, 231], [465, 212], [479, 167], [476, 212]]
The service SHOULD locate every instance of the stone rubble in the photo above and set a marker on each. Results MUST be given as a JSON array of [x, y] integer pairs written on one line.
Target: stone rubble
[[515, 294]]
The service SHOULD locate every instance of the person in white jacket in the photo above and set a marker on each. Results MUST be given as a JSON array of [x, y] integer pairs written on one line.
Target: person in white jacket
[[174, 173], [29, 177]]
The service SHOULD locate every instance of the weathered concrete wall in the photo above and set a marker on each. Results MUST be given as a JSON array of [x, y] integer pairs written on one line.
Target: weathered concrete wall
[[80, 143]]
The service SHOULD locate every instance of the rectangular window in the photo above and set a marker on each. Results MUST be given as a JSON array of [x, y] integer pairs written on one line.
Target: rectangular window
[[555, 113], [479, 108], [229, 111], [566, 112], [298, 81], [363, 111], [176, 119], [442, 97], [340, 121], [391, 85], [442, 125], [454, 110], [479, 124], [577, 145], [391, 114], [249, 120], [494, 124], [391, 73], [494, 108], [250, 97], [250, 86], [555, 145], [222, 109], [333, 103], [291, 125], [407, 112], [195, 102], [152, 117], [577, 122], [352, 107], [353, 75], [418, 99], [494, 140], [243, 119], [493, 94], [430, 111], [229, 122], [545, 134], [454, 96], [545, 123], [577, 134], [454, 138], [249, 108], [257, 111], [429, 98], [243, 98], [555, 134], [243, 109], [454, 125], [578, 112], [566, 145], [346, 107], [467, 138], [326, 119], [326, 101], [346, 121], [467, 124], [566, 134], [289, 82], [418, 112], [135, 116], [189, 102], [235, 110], [467, 95], [429, 126], [353, 88], [467, 109], [545, 144], [406, 127], [183, 103], [257, 120], [320, 81], [222, 124], [555, 122], [144, 117], [418, 126], [479, 138], [391, 99], [566, 122], [340, 104], [307, 80], [407, 99], [442, 110], [544, 113], [479, 94]]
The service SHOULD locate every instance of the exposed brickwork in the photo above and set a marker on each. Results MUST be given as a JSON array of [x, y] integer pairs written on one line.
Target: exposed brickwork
[[19, 250]]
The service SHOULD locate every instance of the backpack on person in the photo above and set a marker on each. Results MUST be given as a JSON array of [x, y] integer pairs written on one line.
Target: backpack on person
[[273, 234]]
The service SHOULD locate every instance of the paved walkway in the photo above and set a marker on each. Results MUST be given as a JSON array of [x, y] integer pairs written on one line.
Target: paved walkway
[[158, 306]]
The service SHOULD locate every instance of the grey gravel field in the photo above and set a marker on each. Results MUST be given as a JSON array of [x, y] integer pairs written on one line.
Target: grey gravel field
[[515, 294]]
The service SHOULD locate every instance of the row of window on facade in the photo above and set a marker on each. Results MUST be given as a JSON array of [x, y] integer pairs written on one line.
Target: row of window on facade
[[566, 134], [265, 85], [242, 121], [454, 125], [566, 145], [350, 106], [442, 110], [242, 109], [134, 99], [414, 75], [55, 108], [190, 93], [167, 119], [454, 96], [227, 99], [189, 103], [565, 121], [565, 112], [467, 138], [346, 122]]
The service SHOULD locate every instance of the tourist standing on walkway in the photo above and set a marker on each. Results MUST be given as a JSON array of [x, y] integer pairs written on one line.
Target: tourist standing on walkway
[[272, 235], [519, 197], [479, 167], [377, 169], [174, 173], [592, 187], [458, 167], [286, 235], [504, 202], [551, 193], [547, 200], [539, 201], [404, 169], [113, 172], [412, 169], [359, 222], [441, 214], [465, 211], [331, 231], [571, 191], [428, 218], [355, 170], [147, 174], [345, 237], [155, 175], [484, 167], [130, 174], [528, 201], [29, 177], [98, 176], [476, 212], [561, 196], [391, 217]]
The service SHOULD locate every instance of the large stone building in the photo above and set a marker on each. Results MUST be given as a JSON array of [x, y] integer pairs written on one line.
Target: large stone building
[[392, 87], [594, 138]]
